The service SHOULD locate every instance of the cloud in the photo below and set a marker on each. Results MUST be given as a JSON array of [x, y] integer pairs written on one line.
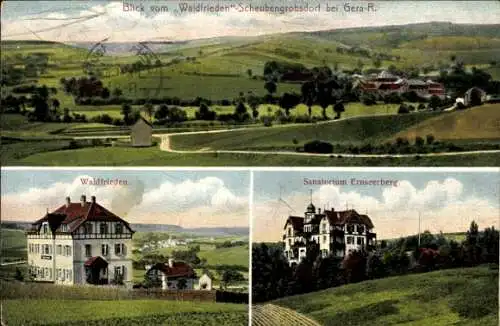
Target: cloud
[[443, 206], [202, 202], [125, 25]]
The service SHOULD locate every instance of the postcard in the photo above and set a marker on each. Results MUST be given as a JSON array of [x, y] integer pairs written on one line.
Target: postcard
[[422, 248], [124, 247], [250, 83]]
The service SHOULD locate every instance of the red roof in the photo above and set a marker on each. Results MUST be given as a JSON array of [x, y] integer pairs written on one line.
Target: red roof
[[75, 214], [179, 269], [296, 221]]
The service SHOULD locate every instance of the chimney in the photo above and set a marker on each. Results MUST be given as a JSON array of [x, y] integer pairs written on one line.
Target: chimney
[[92, 198], [68, 201], [319, 210], [83, 200], [170, 262]]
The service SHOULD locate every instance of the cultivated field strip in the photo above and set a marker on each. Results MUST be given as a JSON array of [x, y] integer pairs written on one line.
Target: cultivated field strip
[[273, 315]]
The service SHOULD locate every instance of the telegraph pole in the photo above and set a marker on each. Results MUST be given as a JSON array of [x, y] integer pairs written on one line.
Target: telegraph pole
[[419, 229]]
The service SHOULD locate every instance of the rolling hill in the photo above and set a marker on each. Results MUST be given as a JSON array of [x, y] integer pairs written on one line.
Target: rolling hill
[[482, 122], [465, 296]]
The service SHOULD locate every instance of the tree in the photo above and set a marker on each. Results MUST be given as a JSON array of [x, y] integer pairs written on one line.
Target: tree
[[204, 113], [39, 102], [240, 112], [270, 87], [249, 73], [126, 110], [338, 108], [419, 141], [289, 101], [308, 91], [149, 110], [377, 63], [429, 139], [66, 116], [253, 102], [354, 265], [117, 92], [435, 102], [162, 112], [324, 97], [228, 276]]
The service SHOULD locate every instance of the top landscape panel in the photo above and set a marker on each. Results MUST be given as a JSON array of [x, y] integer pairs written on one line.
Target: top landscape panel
[[250, 83]]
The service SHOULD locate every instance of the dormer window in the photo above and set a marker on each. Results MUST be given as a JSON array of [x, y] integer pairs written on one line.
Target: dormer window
[[45, 228], [361, 228], [350, 228]]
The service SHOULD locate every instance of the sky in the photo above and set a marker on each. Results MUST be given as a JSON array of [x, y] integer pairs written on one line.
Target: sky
[[184, 198], [92, 21], [446, 201]]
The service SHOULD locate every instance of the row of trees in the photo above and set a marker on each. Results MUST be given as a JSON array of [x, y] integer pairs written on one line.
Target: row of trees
[[272, 277]]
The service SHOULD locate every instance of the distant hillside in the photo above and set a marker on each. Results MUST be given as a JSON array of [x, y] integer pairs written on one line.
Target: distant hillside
[[464, 296], [393, 36], [480, 122], [209, 231]]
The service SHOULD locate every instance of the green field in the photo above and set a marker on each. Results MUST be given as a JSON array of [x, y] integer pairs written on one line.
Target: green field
[[132, 312], [13, 245], [347, 132], [465, 296], [154, 157], [481, 122]]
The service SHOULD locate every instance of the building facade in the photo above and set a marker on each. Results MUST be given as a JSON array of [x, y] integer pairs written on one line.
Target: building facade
[[80, 243], [336, 233]]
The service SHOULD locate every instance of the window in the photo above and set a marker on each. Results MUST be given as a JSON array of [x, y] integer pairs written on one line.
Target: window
[[290, 242], [46, 249], [67, 250], [324, 227], [360, 241], [119, 228], [45, 228], [88, 228], [103, 228], [120, 270], [120, 249], [324, 238], [59, 250], [361, 228], [37, 248], [350, 228], [350, 240], [88, 250], [104, 249], [289, 232]]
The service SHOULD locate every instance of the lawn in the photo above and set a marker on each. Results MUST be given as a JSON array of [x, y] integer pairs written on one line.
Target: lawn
[[226, 256], [465, 296], [130, 312]]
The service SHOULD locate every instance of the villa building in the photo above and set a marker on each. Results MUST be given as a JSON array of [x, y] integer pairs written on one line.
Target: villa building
[[336, 232], [80, 243]]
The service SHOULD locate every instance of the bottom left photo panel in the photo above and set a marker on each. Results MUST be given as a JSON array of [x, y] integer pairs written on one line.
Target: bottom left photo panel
[[124, 247]]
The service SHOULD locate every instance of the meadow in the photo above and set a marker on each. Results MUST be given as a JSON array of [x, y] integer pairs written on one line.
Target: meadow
[[464, 296], [45, 304]]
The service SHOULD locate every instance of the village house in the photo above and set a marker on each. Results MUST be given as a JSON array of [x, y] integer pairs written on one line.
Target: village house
[[336, 232], [141, 133], [173, 275], [80, 243], [386, 83]]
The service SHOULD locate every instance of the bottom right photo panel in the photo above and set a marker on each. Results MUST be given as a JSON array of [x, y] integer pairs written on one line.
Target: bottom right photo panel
[[381, 247]]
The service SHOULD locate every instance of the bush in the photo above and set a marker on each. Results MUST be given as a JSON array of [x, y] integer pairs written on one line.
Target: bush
[[403, 109], [317, 146], [430, 139], [368, 99], [419, 141]]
